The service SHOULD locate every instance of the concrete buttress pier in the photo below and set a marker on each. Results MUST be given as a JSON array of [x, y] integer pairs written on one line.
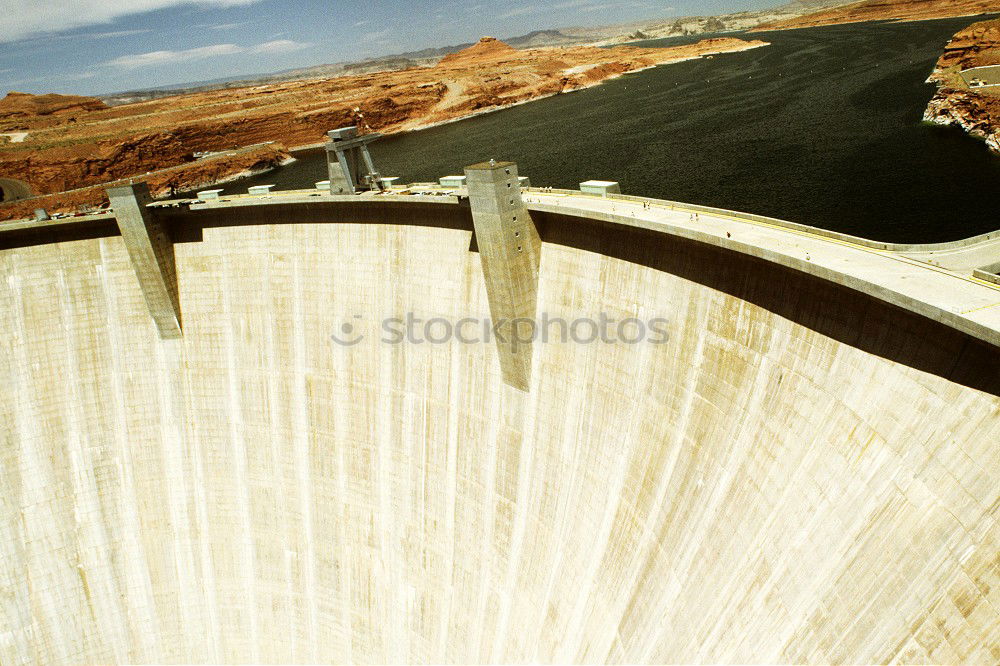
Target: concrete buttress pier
[[152, 253], [510, 250]]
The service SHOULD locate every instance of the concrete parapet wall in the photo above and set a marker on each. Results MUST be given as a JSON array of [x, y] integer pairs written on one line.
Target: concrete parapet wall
[[989, 277], [795, 226]]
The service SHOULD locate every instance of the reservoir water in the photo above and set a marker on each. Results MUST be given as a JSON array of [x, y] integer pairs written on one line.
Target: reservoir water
[[823, 127]]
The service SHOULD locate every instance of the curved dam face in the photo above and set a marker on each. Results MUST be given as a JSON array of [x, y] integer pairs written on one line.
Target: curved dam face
[[801, 473]]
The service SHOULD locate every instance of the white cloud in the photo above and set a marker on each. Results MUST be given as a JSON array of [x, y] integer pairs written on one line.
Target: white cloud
[[279, 46], [592, 6], [222, 26], [378, 36], [154, 58], [77, 36], [521, 11], [61, 78], [112, 34], [24, 18]]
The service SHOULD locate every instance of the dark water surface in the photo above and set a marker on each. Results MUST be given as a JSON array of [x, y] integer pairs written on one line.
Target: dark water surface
[[822, 127]]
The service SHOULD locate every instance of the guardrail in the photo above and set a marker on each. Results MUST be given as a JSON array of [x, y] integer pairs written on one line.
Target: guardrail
[[987, 277], [421, 188]]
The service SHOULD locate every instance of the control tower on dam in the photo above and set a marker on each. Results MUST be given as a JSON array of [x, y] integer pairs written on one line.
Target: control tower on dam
[[484, 422]]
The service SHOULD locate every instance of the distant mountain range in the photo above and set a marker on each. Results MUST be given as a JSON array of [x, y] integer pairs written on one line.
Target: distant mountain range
[[422, 58]]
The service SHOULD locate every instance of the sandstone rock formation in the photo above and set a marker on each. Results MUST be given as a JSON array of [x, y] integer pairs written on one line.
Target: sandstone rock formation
[[165, 182], [25, 105], [488, 49]]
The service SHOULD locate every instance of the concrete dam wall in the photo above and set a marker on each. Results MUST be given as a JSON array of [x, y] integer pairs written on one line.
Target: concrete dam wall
[[804, 472]]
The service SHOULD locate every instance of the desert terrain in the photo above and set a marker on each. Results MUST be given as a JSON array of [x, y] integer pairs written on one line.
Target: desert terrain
[[885, 10], [70, 143], [975, 109]]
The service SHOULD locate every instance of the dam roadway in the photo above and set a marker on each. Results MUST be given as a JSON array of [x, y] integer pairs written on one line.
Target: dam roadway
[[807, 472]]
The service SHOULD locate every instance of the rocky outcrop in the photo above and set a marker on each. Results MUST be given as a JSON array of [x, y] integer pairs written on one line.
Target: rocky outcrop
[[66, 167], [975, 46], [488, 49], [24, 105], [975, 111], [164, 182]]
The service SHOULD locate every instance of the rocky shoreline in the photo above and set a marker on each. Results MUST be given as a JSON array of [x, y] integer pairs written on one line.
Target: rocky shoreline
[[975, 110]]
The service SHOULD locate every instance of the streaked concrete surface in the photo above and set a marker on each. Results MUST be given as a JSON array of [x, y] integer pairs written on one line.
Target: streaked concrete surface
[[807, 472]]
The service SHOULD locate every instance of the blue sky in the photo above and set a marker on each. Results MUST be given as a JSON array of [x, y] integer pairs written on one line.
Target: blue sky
[[100, 46]]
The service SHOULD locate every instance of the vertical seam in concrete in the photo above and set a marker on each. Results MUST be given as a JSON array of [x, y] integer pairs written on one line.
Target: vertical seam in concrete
[[241, 480], [301, 430], [515, 402], [148, 629], [36, 483], [84, 488]]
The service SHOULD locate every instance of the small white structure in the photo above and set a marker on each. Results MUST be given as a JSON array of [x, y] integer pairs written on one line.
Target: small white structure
[[323, 185], [453, 181], [600, 187], [391, 182], [260, 189], [209, 195], [524, 181]]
